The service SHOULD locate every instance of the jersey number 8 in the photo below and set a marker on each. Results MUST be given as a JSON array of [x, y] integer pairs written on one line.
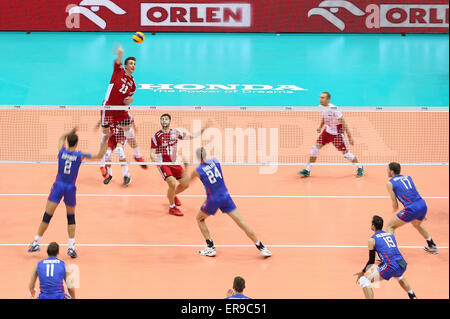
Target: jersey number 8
[[212, 176]]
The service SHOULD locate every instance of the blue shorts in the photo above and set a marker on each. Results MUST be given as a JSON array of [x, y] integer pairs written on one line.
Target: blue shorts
[[225, 204], [417, 210], [391, 269], [59, 295], [60, 190]]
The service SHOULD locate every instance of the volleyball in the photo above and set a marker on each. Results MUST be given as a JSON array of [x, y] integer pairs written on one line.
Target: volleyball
[[138, 37]]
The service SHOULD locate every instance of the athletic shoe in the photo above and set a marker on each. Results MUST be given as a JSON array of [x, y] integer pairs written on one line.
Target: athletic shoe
[[432, 249], [412, 296], [107, 180], [34, 247], [141, 159], [72, 253], [208, 251], [360, 172], [177, 201], [265, 252], [305, 173], [126, 180], [175, 211]]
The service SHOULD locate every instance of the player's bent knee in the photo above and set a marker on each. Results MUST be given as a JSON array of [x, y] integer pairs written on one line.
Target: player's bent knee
[[129, 134], [314, 151], [46, 218], [349, 156], [364, 282], [71, 219], [120, 152]]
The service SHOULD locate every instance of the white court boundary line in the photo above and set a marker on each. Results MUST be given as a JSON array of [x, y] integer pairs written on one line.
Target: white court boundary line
[[237, 196], [225, 246]]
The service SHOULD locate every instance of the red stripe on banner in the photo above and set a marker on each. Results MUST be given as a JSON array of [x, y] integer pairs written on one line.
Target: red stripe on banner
[[361, 16]]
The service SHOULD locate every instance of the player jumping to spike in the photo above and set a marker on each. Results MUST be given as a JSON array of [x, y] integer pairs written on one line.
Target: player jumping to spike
[[217, 197], [392, 262], [402, 187], [335, 126], [69, 161], [164, 149], [120, 92]]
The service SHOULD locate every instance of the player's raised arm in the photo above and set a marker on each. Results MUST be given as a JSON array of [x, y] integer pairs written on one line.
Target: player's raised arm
[[390, 189], [119, 52], [63, 137], [102, 151], [69, 283], [345, 126], [32, 283], [190, 136]]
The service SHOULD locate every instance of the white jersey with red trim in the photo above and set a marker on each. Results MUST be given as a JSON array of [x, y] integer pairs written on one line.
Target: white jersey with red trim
[[331, 117]]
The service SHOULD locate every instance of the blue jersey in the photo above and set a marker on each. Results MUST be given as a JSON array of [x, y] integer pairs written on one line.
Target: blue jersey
[[386, 247], [405, 190], [68, 165], [51, 273], [238, 296], [212, 178]]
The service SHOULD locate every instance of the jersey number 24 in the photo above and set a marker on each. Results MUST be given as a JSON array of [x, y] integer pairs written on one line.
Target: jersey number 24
[[212, 176]]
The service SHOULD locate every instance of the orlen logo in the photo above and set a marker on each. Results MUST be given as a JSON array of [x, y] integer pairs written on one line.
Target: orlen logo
[[74, 12], [191, 14], [386, 15]]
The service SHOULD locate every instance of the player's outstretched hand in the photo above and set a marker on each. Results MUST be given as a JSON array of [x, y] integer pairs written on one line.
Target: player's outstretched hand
[[230, 292], [73, 131]]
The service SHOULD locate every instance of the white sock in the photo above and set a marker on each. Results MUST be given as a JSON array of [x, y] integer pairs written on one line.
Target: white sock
[[308, 168], [136, 152], [125, 170], [411, 292], [359, 166], [72, 243], [37, 239], [428, 239], [109, 169], [173, 205]]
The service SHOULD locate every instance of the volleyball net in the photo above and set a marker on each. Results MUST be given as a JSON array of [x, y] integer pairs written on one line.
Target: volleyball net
[[238, 136]]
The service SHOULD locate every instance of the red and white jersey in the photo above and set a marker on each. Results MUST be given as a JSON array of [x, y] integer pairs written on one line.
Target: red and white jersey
[[331, 117], [120, 87], [166, 144]]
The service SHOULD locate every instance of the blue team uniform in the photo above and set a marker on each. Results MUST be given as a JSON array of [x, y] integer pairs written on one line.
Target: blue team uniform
[[405, 191], [217, 194], [238, 296], [392, 262], [51, 273], [64, 186]]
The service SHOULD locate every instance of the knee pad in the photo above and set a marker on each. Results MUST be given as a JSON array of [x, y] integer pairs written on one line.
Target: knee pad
[[364, 282], [314, 151], [120, 152], [46, 218], [108, 155], [129, 134], [349, 156], [71, 219]]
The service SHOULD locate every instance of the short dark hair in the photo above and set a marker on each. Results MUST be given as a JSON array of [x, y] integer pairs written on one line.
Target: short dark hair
[[328, 94], [238, 284], [130, 58], [166, 114], [377, 221], [395, 167], [201, 154], [53, 249], [72, 139]]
